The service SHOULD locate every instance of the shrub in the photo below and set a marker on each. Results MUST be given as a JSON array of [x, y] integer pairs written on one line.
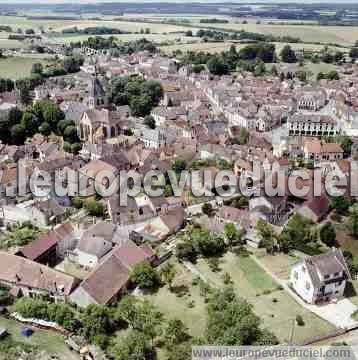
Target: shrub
[[299, 320]]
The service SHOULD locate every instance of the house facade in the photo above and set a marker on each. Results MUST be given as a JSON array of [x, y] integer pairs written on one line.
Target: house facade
[[321, 278]]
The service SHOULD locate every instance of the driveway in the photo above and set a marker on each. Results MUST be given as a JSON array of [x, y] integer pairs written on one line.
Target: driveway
[[338, 314]]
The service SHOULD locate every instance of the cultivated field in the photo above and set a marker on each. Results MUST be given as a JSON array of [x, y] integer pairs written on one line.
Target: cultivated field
[[5, 43], [68, 38], [17, 67], [343, 35], [217, 47]]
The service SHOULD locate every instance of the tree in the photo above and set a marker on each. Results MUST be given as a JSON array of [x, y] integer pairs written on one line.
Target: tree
[[18, 134], [267, 235], [207, 244], [70, 134], [175, 333], [150, 122], [37, 68], [340, 204], [260, 69], [244, 136], [45, 128], [179, 165], [168, 273], [140, 105], [354, 53], [288, 55], [197, 69], [231, 321], [133, 346], [218, 66], [62, 125], [94, 208], [333, 75], [232, 234], [346, 144], [96, 321], [207, 209], [72, 64], [30, 122], [186, 251], [145, 276], [352, 220], [328, 234], [320, 76], [296, 233], [149, 320]]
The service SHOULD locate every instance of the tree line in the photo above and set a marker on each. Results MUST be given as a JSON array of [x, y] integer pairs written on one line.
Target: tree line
[[139, 94], [44, 117]]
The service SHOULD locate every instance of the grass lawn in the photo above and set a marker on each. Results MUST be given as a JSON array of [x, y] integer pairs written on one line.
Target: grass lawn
[[174, 306], [47, 341], [17, 67], [279, 264], [345, 239], [255, 285], [321, 67]]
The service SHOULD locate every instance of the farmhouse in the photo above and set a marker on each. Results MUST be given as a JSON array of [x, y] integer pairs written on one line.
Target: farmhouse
[[28, 278], [111, 277]]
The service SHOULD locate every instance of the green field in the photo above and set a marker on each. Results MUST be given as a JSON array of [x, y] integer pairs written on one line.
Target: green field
[[217, 47], [174, 306], [255, 285], [5, 43], [68, 38], [308, 32], [48, 341], [17, 67]]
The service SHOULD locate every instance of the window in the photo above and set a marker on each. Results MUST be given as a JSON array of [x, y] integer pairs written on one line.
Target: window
[[308, 285], [336, 274], [295, 275], [326, 276], [339, 283]]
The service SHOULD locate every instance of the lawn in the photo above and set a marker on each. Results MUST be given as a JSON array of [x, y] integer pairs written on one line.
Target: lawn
[[279, 264], [345, 239], [173, 305], [255, 285], [17, 67], [48, 341]]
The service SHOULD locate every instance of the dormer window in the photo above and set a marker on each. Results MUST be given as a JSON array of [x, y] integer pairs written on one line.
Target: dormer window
[[336, 274]]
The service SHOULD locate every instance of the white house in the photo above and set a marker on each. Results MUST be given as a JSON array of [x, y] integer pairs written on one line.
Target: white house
[[320, 278]]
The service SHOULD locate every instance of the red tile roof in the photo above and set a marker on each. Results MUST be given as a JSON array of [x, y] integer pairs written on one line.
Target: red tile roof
[[39, 246]]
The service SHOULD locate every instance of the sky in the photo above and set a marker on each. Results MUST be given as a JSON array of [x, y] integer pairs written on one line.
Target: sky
[[173, 1]]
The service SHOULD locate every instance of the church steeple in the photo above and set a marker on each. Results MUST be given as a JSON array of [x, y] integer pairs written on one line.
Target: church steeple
[[96, 93]]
